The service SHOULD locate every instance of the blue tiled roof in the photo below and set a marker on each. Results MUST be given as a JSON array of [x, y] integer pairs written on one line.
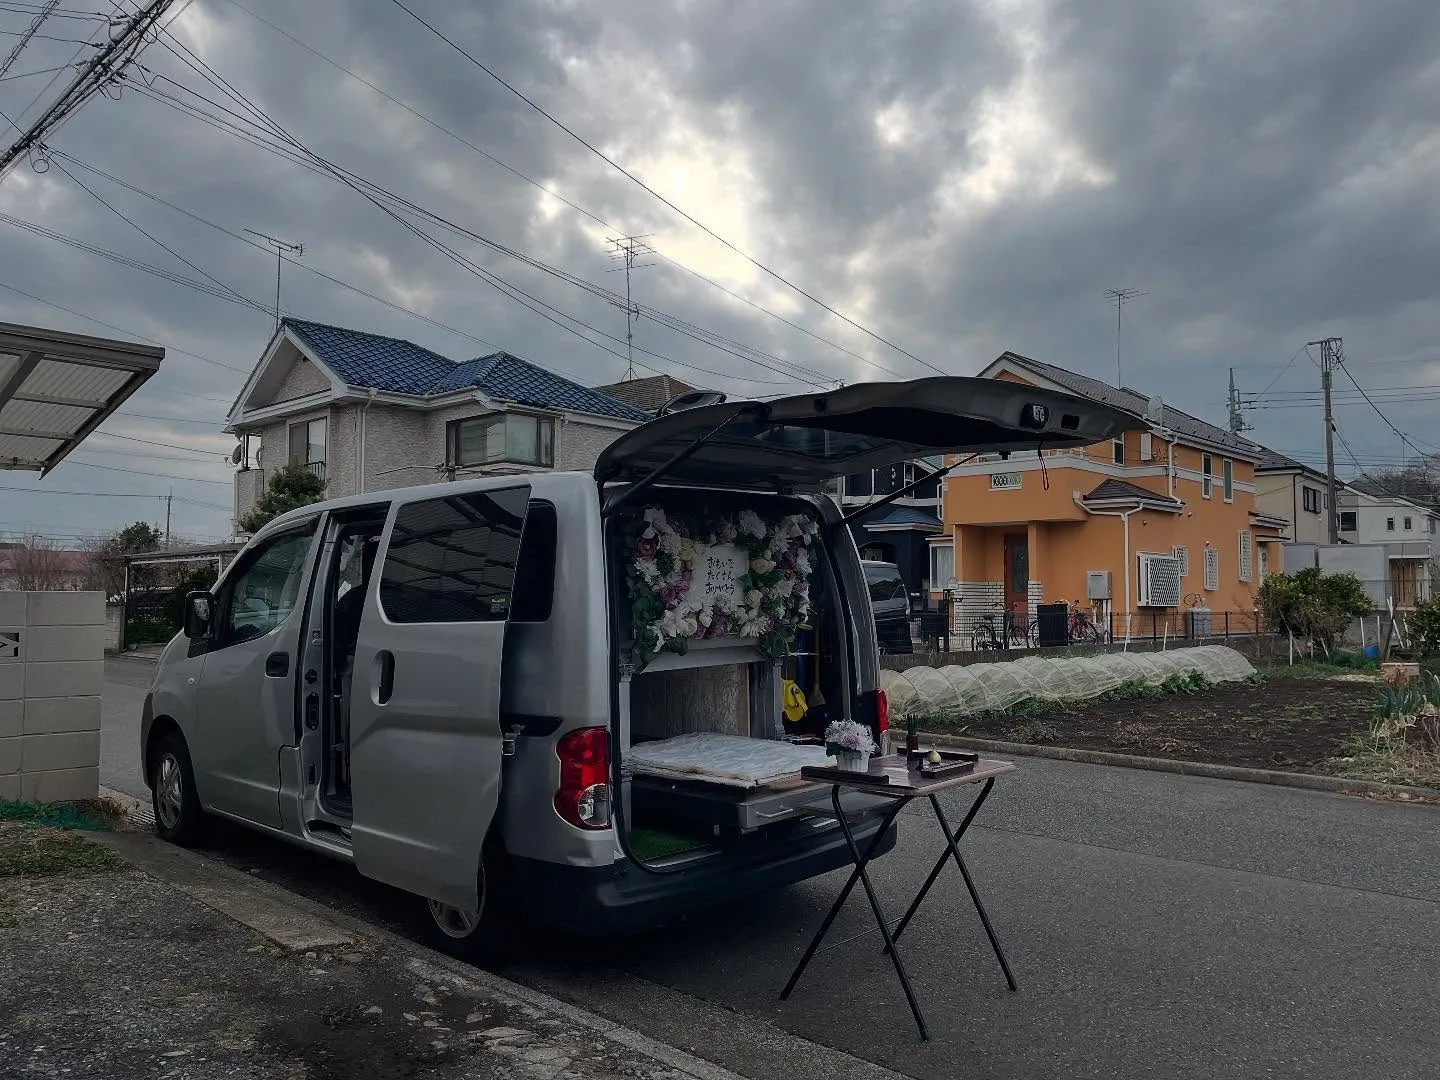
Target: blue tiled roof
[[385, 363], [373, 361]]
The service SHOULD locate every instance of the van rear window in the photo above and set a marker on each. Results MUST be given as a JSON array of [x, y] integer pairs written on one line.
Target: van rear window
[[884, 582], [453, 559]]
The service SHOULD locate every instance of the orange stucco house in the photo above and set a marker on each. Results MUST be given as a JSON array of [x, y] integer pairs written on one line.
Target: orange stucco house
[[1155, 524]]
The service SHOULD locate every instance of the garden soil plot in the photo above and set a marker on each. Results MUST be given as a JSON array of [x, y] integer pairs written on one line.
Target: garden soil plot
[[1298, 725]]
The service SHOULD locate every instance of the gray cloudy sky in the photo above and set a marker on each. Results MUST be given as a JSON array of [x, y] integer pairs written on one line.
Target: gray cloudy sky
[[961, 178]]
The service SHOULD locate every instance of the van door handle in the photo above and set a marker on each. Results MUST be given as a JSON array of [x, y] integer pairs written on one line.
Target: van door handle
[[277, 665], [386, 659]]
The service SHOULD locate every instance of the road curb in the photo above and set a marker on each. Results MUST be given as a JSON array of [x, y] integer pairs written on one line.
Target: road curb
[[174, 865], [1276, 777]]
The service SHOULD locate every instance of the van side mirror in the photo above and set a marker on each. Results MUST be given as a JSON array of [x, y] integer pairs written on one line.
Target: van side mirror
[[197, 615]]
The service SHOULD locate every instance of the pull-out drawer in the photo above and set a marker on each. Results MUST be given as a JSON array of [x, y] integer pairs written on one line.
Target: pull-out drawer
[[742, 809]]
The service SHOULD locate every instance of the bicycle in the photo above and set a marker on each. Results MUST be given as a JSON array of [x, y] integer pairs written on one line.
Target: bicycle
[[1010, 635]]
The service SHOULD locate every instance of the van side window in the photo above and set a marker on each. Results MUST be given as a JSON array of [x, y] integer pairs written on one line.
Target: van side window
[[264, 593], [453, 559], [535, 571]]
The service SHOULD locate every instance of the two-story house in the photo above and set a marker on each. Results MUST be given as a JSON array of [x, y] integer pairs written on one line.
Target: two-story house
[[901, 532], [1405, 525], [1289, 491], [368, 412], [1158, 522]]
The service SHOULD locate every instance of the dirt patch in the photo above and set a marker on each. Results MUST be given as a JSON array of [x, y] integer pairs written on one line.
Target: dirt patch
[[36, 849], [1299, 725]]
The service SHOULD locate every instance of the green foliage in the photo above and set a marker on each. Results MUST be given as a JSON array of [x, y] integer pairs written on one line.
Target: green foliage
[[1035, 731], [1190, 683], [149, 630], [59, 815], [290, 488], [1313, 604], [198, 579], [30, 851], [1409, 710], [109, 561], [1424, 627]]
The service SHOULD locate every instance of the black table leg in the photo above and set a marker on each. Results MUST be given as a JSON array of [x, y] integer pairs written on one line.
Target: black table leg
[[952, 849], [861, 861]]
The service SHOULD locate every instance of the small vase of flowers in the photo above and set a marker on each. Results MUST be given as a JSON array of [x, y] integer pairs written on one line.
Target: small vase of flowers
[[850, 744]]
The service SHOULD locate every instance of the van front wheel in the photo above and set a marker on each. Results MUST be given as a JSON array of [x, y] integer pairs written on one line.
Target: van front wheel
[[489, 935], [179, 817]]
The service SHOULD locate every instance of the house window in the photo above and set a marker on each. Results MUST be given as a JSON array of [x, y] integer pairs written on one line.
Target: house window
[[1347, 521], [1212, 569], [1182, 555], [1229, 470], [1311, 498], [307, 445], [942, 565], [508, 438], [1246, 555], [1117, 450], [1264, 561], [1389, 524], [1147, 446], [1407, 524], [1207, 474], [1432, 526], [859, 484]]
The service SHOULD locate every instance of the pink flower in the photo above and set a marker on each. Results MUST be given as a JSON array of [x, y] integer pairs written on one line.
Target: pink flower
[[645, 547], [668, 595]]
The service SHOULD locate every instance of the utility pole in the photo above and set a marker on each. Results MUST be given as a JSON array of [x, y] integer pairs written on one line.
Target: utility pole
[[168, 499], [1330, 358], [629, 248], [1237, 418], [126, 42], [1120, 297], [281, 250]]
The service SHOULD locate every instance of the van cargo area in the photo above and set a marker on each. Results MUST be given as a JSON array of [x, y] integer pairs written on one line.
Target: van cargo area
[[714, 726]]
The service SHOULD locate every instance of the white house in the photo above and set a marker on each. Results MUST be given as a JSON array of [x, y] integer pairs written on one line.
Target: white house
[[1407, 526], [368, 412]]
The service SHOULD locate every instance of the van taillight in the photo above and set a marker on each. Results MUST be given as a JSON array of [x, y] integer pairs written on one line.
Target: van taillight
[[584, 795], [882, 712]]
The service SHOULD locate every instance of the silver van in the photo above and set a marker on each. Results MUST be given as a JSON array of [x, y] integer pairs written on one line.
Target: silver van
[[503, 695]]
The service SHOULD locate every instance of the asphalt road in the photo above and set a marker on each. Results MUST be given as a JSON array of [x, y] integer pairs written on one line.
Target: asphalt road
[[1158, 926]]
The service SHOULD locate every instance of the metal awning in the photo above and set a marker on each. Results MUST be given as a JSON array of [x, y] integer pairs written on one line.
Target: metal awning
[[56, 388]]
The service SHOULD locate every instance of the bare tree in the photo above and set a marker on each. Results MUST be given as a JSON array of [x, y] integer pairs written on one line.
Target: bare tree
[[40, 567]]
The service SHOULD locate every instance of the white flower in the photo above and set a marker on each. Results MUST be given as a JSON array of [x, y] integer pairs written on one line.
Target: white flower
[[802, 561], [655, 517], [705, 618], [752, 598], [784, 587], [761, 566], [670, 542], [750, 523], [648, 570]]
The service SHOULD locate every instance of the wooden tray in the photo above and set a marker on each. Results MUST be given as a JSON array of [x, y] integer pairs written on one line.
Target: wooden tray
[[950, 763]]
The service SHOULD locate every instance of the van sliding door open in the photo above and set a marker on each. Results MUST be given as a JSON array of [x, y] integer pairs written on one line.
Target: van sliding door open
[[426, 740]]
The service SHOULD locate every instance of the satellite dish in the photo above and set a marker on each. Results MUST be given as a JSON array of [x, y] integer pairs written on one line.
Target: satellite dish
[[695, 399], [237, 456], [1155, 409], [256, 455]]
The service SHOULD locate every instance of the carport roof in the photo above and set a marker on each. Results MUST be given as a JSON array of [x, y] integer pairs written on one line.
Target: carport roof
[[56, 388]]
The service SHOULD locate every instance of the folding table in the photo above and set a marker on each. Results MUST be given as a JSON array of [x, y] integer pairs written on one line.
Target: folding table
[[891, 776]]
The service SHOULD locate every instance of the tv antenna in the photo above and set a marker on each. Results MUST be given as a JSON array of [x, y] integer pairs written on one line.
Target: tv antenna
[[628, 249], [1120, 297], [282, 248]]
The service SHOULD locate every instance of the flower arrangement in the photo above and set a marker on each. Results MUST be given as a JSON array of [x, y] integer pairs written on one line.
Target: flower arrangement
[[847, 737], [769, 601]]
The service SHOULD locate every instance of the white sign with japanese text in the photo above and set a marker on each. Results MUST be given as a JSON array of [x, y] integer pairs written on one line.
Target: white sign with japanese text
[[718, 572]]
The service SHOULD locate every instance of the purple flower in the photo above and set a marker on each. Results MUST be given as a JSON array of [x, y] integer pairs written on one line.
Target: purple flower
[[786, 559], [668, 595], [645, 547]]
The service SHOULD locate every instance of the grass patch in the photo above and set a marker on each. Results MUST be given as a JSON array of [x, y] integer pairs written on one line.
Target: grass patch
[[1392, 763], [651, 844], [91, 814], [1035, 731], [34, 850]]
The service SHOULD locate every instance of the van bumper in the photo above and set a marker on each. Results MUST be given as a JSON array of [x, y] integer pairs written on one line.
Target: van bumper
[[623, 899]]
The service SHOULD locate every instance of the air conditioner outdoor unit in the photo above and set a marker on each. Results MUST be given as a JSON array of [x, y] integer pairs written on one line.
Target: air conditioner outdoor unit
[[1097, 584]]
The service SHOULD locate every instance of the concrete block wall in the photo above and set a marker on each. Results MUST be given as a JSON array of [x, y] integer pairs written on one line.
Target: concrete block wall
[[52, 667]]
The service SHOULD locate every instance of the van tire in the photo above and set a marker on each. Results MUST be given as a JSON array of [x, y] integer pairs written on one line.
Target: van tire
[[491, 937], [179, 817]]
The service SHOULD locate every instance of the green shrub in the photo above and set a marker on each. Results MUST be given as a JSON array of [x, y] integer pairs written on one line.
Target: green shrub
[[1424, 624], [1313, 604]]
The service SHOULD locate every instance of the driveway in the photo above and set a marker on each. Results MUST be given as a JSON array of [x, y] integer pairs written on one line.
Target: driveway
[[126, 682], [1158, 925]]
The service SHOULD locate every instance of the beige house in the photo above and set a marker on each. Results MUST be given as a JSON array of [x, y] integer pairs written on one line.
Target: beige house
[[1288, 491], [367, 412]]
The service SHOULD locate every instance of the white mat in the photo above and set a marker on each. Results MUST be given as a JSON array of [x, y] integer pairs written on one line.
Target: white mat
[[726, 759]]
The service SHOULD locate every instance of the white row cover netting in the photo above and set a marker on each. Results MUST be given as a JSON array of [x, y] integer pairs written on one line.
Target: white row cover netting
[[966, 690]]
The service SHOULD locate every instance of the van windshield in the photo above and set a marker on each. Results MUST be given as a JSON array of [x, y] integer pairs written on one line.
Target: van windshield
[[884, 581]]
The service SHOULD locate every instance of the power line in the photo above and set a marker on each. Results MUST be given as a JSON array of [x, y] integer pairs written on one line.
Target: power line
[[1384, 419], [167, 446], [27, 36], [646, 187], [111, 495], [549, 190], [140, 472], [170, 419]]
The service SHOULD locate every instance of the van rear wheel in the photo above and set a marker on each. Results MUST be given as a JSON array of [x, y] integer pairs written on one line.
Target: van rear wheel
[[488, 935]]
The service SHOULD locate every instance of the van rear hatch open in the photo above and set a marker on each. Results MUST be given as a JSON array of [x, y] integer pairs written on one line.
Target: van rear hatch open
[[803, 442]]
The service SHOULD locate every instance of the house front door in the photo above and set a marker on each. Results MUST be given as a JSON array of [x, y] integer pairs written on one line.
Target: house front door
[[1017, 577]]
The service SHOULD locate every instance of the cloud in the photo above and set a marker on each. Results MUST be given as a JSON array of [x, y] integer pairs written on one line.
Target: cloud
[[962, 178]]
